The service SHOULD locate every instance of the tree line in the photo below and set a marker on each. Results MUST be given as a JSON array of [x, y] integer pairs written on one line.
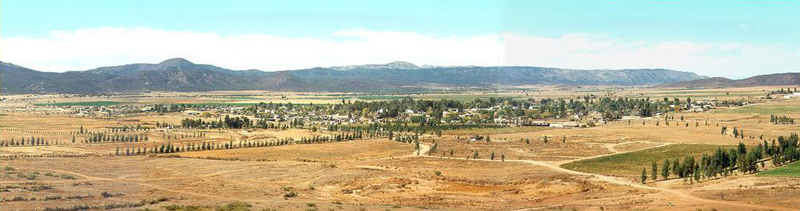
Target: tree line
[[102, 137], [723, 162], [203, 146], [775, 119], [32, 141]]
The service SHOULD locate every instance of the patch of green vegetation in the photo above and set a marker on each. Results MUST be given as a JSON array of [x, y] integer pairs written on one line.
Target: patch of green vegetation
[[790, 170], [762, 109], [240, 97], [95, 103], [492, 131], [235, 206], [631, 163], [218, 104], [704, 96], [459, 97], [382, 97]]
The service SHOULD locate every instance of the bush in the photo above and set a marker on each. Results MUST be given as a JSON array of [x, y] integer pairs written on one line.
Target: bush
[[235, 206], [106, 194], [289, 194], [184, 208]]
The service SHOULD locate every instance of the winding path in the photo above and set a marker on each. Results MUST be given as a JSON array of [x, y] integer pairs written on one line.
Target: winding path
[[424, 148]]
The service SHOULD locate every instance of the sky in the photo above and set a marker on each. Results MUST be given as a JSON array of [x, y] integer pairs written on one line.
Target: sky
[[734, 39]]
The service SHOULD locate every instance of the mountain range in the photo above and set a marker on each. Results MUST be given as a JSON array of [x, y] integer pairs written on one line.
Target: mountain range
[[778, 79], [182, 75]]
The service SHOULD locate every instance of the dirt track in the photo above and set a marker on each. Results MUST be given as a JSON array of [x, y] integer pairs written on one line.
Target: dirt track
[[614, 180]]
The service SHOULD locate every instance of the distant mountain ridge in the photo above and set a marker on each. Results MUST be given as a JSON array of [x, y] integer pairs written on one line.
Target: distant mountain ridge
[[182, 75], [390, 65], [778, 79]]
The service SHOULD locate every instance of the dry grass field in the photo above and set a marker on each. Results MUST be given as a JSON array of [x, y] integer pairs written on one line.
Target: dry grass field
[[593, 168]]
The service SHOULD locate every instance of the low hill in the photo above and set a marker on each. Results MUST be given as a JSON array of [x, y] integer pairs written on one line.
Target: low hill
[[779, 79]]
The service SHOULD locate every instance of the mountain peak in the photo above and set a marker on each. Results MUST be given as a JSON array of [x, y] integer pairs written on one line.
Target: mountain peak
[[390, 65], [401, 65], [176, 62]]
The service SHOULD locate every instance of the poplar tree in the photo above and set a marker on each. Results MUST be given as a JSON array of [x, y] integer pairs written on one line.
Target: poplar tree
[[644, 175]]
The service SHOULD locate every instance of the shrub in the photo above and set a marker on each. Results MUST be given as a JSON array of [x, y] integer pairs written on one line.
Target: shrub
[[106, 194], [289, 194], [183, 208], [235, 206]]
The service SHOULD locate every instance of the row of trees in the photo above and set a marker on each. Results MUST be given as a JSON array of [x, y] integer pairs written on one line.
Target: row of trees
[[782, 91], [203, 146], [35, 132], [726, 162], [400, 126], [196, 134], [102, 137], [775, 119], [32, 141], [126, 128], [737, 133], [226, 123]]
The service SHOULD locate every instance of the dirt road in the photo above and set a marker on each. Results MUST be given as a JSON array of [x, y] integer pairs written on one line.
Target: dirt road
[[423, 151]]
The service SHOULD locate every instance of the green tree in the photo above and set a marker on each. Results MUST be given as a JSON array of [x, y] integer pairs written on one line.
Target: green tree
[[654, 172], [644, 175], [676, 167], [665, 169]]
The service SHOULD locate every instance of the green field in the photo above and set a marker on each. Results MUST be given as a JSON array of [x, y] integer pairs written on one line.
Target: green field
[[95, 103], [240, 98], [355, 97], [763, 109], [233, 104], [631, 163], [790, 170], [459, 97]]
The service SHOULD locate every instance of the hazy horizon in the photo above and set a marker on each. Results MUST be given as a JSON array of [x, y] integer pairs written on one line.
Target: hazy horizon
[[385, 63], [715, 39]]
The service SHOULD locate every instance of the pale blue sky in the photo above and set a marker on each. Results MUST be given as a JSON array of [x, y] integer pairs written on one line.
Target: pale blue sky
[[760, 26]]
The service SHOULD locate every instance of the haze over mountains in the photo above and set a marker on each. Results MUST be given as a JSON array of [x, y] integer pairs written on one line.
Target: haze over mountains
[[778, 79], [182, 75]]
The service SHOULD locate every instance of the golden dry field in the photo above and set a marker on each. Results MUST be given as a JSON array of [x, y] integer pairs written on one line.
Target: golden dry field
[[516, 170]]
